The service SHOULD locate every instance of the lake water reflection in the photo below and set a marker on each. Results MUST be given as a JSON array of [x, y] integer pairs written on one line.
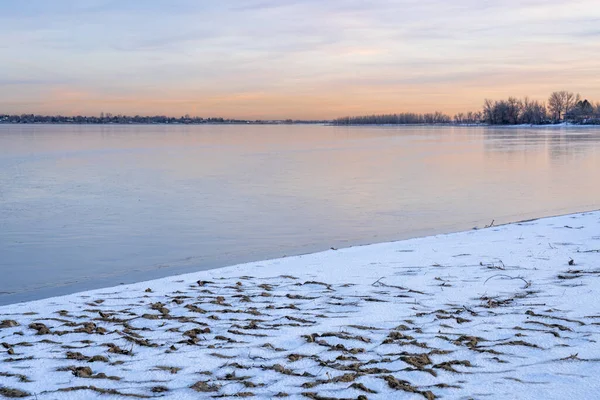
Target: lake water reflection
[[90, 206]]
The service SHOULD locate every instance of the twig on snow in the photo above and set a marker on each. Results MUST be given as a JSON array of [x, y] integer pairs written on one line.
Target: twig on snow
[[527, 283], [378, 283]]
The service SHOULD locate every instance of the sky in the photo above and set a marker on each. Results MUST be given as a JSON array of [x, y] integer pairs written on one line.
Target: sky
[[302, 59]]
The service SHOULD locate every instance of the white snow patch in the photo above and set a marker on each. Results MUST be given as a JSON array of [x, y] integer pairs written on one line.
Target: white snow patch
[[495, 313]]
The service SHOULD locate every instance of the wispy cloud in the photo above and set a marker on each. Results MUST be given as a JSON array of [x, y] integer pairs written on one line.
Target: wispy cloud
[[305, 58]]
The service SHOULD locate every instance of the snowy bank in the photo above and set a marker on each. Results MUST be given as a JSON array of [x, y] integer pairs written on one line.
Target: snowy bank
[[505, 312]]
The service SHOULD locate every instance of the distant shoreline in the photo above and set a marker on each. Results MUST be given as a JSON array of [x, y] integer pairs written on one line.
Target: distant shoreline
[[323, 123], [449, 125], [168, 123]]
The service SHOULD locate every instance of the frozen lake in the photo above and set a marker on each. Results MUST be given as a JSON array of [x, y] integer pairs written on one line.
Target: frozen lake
[[83, 207]]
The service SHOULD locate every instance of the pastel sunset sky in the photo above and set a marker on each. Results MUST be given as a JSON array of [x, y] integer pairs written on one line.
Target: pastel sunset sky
[[306, 59]]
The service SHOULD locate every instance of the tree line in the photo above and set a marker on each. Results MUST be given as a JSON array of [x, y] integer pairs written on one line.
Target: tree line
[[562, 106], [105, 119], [396, 119], [137, 119]]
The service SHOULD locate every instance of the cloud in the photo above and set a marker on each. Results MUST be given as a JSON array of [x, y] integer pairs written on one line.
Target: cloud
[[338, 55]]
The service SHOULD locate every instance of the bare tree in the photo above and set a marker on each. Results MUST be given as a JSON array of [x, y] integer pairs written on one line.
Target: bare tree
[[488, 111], [560, 103], [556, 105], [514, 110], [534, 112]]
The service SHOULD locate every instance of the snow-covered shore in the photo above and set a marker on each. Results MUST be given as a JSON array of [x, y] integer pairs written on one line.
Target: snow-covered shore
[[504, 312]]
